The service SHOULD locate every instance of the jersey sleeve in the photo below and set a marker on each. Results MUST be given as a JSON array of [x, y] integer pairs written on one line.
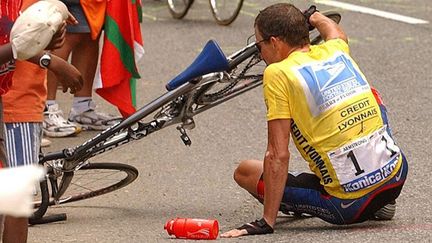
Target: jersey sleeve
[[275, 94]]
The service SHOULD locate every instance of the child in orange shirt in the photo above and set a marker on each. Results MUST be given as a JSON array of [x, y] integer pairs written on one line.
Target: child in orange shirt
[[23, 106]]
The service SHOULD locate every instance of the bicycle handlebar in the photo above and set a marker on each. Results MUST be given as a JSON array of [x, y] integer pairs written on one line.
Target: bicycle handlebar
[[54, 156]]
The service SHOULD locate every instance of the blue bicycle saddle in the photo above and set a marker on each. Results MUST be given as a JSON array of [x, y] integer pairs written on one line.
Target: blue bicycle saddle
[[210, 60]]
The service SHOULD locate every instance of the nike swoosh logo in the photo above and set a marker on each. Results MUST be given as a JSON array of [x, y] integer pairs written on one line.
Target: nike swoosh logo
[[345, 206], [398, 176]]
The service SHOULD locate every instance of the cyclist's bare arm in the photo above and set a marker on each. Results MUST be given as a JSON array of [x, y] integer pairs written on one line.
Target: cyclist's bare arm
[[327, 27]]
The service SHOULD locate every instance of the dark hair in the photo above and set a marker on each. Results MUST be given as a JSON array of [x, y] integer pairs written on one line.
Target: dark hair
[[285, 21]]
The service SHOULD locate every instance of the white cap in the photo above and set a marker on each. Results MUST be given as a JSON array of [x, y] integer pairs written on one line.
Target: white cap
[[17, 187], [35, 27]]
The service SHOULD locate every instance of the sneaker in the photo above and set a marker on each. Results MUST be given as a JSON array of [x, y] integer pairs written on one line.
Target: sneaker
[[387, 212], [92, 120], [45, 142], [54, 125]]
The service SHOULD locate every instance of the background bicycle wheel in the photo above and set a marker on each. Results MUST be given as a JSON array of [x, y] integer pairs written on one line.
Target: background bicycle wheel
[[179, 8], [225, 11]]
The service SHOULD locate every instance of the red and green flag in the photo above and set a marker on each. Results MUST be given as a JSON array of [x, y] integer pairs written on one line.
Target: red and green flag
[[122, 48]]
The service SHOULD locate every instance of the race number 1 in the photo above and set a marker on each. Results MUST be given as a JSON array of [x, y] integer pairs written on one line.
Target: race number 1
[[363, 156], [351, 156]]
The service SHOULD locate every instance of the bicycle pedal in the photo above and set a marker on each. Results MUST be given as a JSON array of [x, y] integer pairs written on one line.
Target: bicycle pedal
[[186, 140], [184, 137]]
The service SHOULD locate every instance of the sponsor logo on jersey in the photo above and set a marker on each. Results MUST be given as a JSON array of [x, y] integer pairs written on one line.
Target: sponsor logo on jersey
[[330, 82], [356, 113], [372, 178], [311, 153]]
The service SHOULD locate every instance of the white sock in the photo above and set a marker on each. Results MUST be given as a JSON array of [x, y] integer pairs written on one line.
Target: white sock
[[50, 102], [81, 104]]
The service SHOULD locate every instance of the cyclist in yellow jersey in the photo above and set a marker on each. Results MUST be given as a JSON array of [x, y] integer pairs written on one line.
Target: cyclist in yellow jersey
[[319, 97]]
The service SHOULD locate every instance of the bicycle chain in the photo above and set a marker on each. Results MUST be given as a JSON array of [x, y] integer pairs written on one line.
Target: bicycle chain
[[220, 93]]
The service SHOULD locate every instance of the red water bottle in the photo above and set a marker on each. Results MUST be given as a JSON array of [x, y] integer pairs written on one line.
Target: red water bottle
[[200, 229]]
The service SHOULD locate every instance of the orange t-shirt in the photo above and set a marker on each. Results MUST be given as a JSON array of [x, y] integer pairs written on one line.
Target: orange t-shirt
[[25, 100]]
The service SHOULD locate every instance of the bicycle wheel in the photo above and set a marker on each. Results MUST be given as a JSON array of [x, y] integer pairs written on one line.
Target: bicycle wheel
[[42, 200], [179, 8], [94, 179], [225, 11]]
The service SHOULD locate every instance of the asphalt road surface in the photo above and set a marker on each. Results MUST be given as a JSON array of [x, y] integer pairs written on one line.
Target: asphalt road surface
[[196, 181]]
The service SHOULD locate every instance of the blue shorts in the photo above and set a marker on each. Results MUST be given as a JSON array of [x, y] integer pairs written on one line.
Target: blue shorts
[[23, 143], [305, 194], [76, 10]]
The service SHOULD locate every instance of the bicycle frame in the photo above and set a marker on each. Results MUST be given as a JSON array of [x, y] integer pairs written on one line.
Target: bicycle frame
[[181, 111]]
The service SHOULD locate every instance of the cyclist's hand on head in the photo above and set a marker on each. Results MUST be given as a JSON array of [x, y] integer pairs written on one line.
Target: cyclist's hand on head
[[327, 28], [66, 74], [308, 13]]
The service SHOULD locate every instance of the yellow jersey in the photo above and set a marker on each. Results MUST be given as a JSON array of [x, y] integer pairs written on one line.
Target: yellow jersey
[[336, 122]]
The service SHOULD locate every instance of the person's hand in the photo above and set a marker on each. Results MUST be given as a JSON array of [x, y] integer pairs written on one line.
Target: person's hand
[[71, 19], [34, 28], [234, 233], [307, 14], [58, 38], [258, 227], [66, 74]]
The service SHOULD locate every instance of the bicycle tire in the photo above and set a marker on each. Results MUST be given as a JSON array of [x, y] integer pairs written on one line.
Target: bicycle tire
[[80, 187], [226, 16], [48, 219], [179, 8], [42, 206]]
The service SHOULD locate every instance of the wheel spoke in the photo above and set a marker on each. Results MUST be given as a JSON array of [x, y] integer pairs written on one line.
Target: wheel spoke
[[94, 181]]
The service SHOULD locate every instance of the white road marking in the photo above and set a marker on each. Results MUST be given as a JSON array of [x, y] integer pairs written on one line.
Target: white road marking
[[372, 11]]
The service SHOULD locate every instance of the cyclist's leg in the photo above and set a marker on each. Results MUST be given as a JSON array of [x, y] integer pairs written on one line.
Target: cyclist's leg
[[385, 194], [247, 174], [305, 194]]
